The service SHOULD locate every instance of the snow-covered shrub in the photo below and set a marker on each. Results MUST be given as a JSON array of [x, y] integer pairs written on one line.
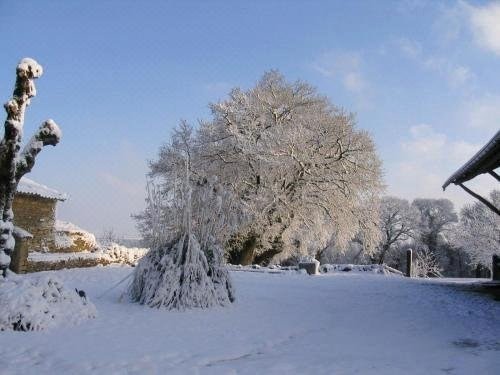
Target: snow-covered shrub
[[34, 303], [218, 272], [120, 254], [63, 240], [178, 276], [425, 264]]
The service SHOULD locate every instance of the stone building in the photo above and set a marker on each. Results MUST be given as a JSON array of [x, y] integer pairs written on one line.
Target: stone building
[[34, 209]]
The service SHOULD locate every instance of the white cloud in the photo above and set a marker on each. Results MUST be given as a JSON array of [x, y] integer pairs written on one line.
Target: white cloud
[[483, 21], [425, 160], [461, 151], [344, 67], [424, 143], [354, 82], [485, 24], [456, 75]]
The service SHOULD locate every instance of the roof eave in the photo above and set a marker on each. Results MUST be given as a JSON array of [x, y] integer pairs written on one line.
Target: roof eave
[[485, 160]]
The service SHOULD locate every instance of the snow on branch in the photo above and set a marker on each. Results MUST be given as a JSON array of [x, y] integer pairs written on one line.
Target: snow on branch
[[48, 134]]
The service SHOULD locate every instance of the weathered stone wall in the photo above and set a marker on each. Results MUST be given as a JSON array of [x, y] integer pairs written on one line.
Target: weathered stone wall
[[69, 263], [36, 215]]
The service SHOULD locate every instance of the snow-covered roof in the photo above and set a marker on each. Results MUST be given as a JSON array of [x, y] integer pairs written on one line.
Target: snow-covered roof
[[485, 160], [27, 186], [66, 226]]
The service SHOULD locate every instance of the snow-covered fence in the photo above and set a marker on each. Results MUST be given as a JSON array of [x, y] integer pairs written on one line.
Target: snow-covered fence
[[259, 269], [378, 269], [381, 269]]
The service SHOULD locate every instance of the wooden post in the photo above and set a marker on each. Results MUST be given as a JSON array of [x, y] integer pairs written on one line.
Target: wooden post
[[495, 268], [409, 262]]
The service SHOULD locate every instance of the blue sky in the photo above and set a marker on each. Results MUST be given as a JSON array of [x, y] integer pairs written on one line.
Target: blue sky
[[422, 77]]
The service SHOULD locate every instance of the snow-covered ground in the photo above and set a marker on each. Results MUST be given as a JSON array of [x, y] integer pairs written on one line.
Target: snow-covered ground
[[286, 323]]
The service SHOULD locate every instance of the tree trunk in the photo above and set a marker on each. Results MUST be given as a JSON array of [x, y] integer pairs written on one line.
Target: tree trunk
[[243, 251], [381, 258]]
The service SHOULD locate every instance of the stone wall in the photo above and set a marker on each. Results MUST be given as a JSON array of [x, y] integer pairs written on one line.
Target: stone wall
[[69, 263], [36, 215]]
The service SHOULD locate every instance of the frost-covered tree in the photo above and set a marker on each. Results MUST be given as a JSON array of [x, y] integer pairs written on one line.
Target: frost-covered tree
[[478, 232], [437, 218], [14, 162], [300, 167], [185, 266], [398, 223], [215, 212]]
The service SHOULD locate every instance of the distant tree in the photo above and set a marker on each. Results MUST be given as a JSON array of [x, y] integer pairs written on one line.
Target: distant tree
[[478, 232], [398, 223], [436, 218], [15, 163], [300, 167], [108, 237]]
